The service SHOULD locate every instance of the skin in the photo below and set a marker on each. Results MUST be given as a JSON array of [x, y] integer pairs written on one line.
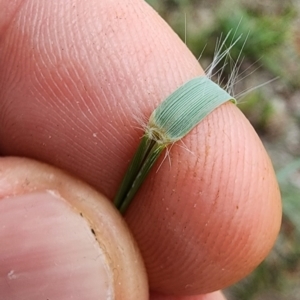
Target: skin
[[75, 78], [33, 192]]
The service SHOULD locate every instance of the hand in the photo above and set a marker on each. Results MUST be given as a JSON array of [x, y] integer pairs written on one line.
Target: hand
[[75, 78]]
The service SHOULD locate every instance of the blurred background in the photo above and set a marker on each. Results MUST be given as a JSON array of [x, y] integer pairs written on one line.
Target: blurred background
[[269, 48]]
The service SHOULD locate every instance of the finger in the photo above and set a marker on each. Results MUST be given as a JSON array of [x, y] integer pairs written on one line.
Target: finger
[[71, 91], [61, 240], [212, 296]]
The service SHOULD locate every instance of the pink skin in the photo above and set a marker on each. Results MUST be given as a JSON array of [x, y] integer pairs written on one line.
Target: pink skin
[[63, 240], [43, 260], [75, 78]]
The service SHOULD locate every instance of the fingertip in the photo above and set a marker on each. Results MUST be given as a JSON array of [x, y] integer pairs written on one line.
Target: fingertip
[[61, 239], [219, 208]]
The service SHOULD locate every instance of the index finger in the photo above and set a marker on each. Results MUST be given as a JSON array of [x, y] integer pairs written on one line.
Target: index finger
[[72, 88]]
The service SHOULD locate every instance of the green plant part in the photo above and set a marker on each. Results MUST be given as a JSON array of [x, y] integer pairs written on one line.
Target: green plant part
[[174, 118]]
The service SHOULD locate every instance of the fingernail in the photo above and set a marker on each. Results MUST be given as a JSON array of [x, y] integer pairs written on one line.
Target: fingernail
[[48, 251]]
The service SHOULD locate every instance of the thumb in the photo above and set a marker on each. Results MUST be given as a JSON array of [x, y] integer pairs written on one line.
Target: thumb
[[62, 240]]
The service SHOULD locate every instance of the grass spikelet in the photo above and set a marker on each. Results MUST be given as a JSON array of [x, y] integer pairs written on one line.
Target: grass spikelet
[[179, 113], [174, 118]]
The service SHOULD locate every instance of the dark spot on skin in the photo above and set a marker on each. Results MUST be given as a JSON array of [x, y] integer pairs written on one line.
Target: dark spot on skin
[[81, 214], [93, 231]]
